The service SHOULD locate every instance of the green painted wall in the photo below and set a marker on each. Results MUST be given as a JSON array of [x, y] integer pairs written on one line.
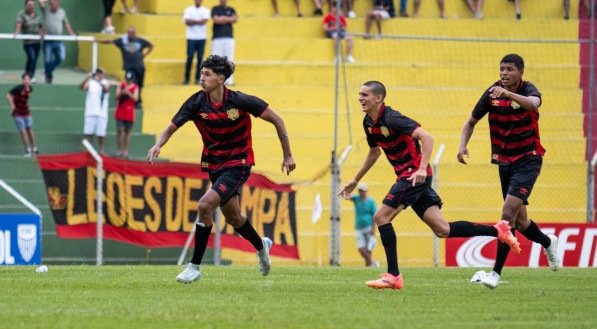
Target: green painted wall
[[84, 16]]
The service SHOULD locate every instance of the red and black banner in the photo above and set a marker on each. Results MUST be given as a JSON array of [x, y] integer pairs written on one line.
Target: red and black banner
[[155, 205]]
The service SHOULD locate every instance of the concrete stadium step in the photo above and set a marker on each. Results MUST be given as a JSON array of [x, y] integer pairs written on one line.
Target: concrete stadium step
[[420, 52], [54, 96], [454, 9], [160, 72], [57, 119], [64, 142], [19, 168], [150, 26]]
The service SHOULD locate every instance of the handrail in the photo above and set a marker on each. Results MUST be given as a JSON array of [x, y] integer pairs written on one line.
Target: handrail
[[20, 197]]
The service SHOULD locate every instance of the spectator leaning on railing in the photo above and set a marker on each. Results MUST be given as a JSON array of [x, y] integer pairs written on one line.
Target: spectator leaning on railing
[[54, 20]]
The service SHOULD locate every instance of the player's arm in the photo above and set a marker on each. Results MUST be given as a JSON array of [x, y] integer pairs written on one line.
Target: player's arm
[[426, 139], [465, 136], [370, 159], [154, 151], [529, 103], [270, 116], [11, 100], [84, 85]]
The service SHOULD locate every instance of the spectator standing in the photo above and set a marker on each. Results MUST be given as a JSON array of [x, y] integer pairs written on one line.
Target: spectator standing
[[364, 209], [517, 8], [330, 29], [222, 42], [195, 18], [127, 94], [18, 99], [28, 22], [54, 20], [133, 55], [96, 107], [108, 27]]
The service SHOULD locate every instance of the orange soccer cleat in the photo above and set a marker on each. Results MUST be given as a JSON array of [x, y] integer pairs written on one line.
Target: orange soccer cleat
[[506, 236], [386, 281]]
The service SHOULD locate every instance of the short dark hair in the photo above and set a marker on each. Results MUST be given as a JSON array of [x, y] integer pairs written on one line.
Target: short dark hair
[[377, 87], [25, 74], [514, 59], [218, 64]]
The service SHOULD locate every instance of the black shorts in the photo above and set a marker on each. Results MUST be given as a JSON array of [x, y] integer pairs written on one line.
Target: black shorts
[[420, 197], [518, 178], [227, 182]]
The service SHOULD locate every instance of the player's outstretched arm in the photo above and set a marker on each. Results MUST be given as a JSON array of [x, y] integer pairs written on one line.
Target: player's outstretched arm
[[370, 159], [154, 151], [270, 116]]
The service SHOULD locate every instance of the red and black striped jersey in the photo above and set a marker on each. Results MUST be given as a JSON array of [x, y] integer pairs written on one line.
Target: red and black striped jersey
[[392, 131], [225, 128], [514, 131], [21, 100]]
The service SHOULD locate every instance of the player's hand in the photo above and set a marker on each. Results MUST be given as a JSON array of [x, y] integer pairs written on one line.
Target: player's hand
[[347, 189], [418, 177], [497, 92], [288, 165], [153, 153], [462, 152]]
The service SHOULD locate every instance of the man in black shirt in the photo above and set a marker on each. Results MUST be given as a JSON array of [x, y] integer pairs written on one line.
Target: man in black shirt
[[133, 54], [222, 42]]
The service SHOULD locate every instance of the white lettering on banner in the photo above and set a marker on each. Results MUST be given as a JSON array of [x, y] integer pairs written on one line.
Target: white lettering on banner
[[5, 254], [587, 248], [469, 254]]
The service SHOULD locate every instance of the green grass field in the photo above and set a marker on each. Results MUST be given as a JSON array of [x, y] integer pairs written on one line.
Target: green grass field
[[292, 297]]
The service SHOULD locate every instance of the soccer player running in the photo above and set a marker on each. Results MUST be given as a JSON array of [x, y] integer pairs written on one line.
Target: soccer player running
[[222, 117], [513, 107], [408, 148]]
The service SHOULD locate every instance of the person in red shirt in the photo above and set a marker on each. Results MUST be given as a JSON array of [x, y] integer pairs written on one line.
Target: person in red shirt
[[331, 30], [127, 95], [18, 99]]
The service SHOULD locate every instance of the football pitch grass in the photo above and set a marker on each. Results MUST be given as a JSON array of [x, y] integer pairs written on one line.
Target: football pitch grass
[[237, 297]]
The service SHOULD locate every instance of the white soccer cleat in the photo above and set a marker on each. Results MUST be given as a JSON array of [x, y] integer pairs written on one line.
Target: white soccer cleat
[[189, 274], [263, 255], [478, 276], [491, 280], [551, 253], [350, 59]]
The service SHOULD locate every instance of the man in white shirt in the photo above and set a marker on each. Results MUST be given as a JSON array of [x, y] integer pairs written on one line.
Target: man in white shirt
[[195, 18], [96, 107]]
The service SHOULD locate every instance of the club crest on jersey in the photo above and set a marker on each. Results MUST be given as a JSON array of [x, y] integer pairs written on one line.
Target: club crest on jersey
[[384, 131], [56, 199], [233, 114], [203, 116]]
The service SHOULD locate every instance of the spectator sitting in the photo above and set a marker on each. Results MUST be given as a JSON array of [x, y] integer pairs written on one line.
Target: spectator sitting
[[296, 4], [29, 22], [54, 51], [126, 97], [475, 8], [96, 107], [18, 99], [330, 28], [440, 4], [377, 14]]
